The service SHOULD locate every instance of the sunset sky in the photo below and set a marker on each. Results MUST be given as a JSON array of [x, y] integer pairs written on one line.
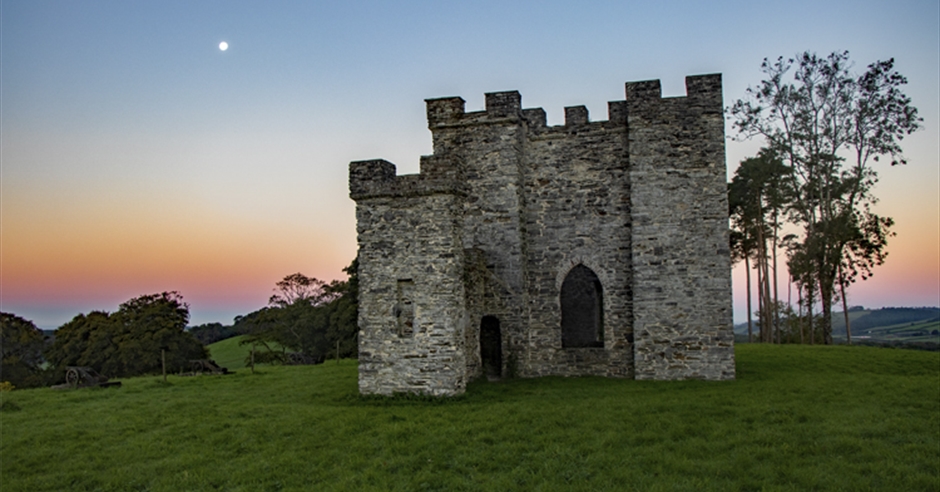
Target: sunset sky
[[137, 157]]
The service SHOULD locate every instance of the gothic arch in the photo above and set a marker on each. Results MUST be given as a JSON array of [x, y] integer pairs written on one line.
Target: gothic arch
[[582, 309]]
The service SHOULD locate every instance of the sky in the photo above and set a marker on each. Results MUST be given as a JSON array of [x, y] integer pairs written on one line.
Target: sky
[[137, 157]]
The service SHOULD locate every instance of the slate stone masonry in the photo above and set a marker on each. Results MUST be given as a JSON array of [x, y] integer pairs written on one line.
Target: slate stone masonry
[[508, 206]]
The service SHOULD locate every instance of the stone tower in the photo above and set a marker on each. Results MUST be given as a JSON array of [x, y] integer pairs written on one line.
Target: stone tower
[[522, 249]]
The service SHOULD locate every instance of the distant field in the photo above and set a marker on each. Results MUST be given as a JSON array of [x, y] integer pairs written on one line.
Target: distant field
[[797, 418], [923, 331], [890, 325]]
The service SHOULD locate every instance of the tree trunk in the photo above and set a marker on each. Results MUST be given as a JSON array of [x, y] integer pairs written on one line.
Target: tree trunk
[[747, 267], [845, 308], [790, 309], [811, 293], [768, 302], [799, 303], [776, 306], [825, 293], [762, 322]]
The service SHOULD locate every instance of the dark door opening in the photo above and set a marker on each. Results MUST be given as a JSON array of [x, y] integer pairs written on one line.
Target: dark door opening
[[491, 348]]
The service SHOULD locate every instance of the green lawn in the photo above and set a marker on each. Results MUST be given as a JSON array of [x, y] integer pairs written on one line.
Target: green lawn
[[798, 418]]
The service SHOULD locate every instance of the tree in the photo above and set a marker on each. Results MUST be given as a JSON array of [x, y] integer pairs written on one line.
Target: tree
[[22, 344], [297, 287], [86, 340], [758, 195], [208, 333], [131, 341], [741, 250], [151, 324], [829, 126], [344, 312], [319, 318]]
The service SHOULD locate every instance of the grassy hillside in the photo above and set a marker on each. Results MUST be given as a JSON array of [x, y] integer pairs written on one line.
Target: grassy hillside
[[228, 353], [797, 418]]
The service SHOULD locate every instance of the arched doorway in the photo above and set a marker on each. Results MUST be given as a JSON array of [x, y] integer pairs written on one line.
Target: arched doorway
[[491, 347], [582, 309]]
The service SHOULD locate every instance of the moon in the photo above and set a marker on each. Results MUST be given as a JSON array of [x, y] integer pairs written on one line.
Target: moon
[[223, 46]]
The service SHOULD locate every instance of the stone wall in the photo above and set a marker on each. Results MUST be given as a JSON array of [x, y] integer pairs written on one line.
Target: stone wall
[[489, 145], [412, 312], [507, 206], [578, 212], [681, 261]]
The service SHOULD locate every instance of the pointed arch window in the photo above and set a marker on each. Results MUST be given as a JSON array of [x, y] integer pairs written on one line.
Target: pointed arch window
[[582, 309]]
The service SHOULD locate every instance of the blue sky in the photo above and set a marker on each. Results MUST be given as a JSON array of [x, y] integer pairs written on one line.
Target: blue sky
[[137, 157]]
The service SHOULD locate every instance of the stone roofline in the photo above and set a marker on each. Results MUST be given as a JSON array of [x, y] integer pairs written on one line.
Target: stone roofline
[[442, 174]]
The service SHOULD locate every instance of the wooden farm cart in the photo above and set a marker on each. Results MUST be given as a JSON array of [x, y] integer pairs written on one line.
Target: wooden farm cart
[[207, 366], [84, 377]]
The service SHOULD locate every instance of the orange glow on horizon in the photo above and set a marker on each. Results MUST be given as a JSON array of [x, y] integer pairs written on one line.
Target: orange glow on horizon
[[104, 250]]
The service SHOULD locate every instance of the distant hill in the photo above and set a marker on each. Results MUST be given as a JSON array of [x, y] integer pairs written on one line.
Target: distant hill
[[887, 324], [884, 317]]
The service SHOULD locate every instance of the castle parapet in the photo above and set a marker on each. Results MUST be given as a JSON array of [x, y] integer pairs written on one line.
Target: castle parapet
[[705, 89], [699, 89], [643, 90], [617, 111], [535, 117], [376, 178], [576, 115], [441, 167], [368, 175], [444, 110], [502, 107], [503, 103]]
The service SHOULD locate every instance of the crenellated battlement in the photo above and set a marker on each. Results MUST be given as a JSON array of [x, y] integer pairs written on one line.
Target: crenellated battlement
[[444, 109], [703, 91], [576, 116], [443, 173], [377, 178]]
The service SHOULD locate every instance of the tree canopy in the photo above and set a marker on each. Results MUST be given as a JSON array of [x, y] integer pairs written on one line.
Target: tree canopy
[[130, 341], [298, 287], [307, 316], [22, 345]]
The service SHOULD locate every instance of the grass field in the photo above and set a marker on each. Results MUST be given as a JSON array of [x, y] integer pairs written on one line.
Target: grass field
[[797, 418], [229, 354]]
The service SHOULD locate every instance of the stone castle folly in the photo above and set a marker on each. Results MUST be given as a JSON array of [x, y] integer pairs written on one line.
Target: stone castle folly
[[522, 249]]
